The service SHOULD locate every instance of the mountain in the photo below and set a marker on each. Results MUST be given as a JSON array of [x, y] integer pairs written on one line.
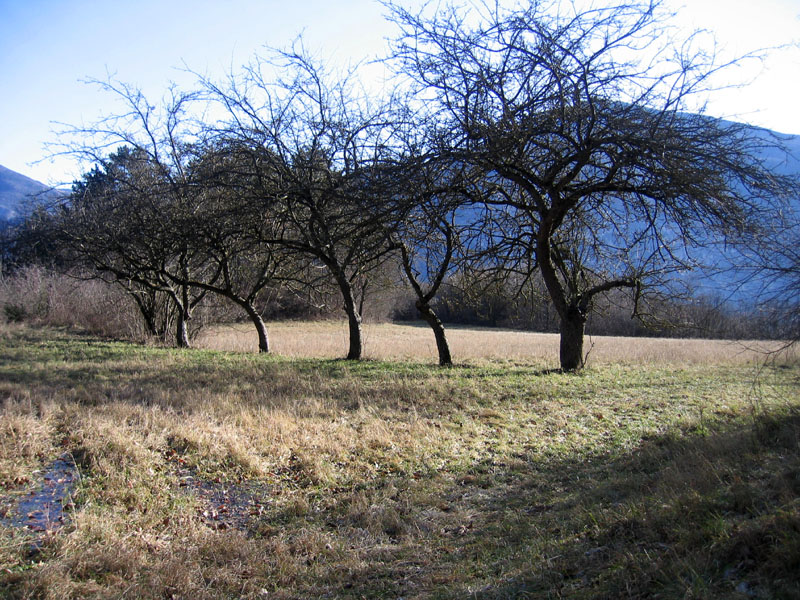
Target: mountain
[[784, 160], [729, 277], [17, 191]]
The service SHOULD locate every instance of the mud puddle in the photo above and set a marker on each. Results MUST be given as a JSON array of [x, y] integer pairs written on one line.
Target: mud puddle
[[42, 509], [223, 504], [226, 505]]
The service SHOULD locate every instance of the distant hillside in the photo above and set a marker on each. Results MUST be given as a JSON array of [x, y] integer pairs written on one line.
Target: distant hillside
[[16, 191], [726, 280], [780, 161]]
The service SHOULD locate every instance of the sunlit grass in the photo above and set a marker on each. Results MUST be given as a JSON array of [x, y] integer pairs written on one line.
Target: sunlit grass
[[387, 479], [415, 342]]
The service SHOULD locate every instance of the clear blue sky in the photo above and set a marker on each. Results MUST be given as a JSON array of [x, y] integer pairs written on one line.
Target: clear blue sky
[[47, 47]]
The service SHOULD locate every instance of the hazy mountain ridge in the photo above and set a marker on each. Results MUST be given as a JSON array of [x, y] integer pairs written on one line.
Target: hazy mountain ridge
[[787, 162], [16, 191]]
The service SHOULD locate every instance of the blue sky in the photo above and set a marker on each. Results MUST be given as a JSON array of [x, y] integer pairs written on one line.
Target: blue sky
[[47, 47]]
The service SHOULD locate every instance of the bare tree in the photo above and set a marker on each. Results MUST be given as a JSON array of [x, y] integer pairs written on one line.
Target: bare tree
[[434, 225], [124, 217], [428, 239], [232, 230], [316, 144], [771, 274], [120, 222], [580, 120]]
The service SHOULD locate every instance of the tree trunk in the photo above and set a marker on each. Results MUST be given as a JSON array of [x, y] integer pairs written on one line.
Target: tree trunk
[[445, 360], [258, 322], [182, 331], [573, 313], [182, 304], [353, 316], [571, 351], [354, 323], [148, 314]]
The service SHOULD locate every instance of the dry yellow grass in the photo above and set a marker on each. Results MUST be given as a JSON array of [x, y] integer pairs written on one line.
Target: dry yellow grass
[[414, 342], [399, 479]]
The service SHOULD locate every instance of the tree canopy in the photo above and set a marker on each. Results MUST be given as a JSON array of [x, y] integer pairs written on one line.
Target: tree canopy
[[579, 119]]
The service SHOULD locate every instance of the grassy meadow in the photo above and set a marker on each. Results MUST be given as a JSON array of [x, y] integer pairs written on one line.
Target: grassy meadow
[[667, 469], [415, 343]]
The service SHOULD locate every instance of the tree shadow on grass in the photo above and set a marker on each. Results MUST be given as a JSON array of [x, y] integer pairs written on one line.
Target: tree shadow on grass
[[687, 514], [45, 364]]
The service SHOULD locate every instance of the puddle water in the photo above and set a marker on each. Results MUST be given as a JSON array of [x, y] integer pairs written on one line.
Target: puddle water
[[223, 504], [226, 505], [42, 509]]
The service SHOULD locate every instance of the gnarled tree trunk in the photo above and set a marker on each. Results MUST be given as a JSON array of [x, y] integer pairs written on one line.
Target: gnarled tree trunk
[[431, 318], [258, 323], [571, 312], [182, 310], [182, 330], [353, 316], [571, 347]]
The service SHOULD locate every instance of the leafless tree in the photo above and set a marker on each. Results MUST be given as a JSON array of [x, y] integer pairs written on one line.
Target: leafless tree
[[316, 144], [771, 271], [124, 216], [582, 122], [120, 222], [233, 230], [427, 236]]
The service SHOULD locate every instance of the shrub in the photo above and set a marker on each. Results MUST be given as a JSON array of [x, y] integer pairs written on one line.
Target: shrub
[[14, 312], [38, 295]]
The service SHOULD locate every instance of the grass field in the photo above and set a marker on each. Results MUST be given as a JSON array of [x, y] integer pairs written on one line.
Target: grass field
[[415, 343], [668, 469]]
